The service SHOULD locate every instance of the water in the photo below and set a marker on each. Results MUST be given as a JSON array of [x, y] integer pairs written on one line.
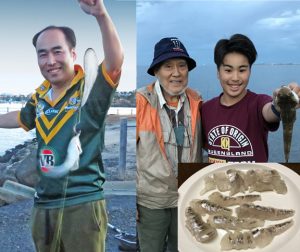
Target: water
[[264, 79], [9, 138]]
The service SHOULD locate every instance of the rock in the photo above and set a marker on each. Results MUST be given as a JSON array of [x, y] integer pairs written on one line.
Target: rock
[[21, 165], [25, 171], [6, 157]]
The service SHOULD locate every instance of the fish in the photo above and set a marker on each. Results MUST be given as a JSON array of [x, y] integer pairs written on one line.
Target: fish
[[237, 183], [237, 240], [203, 207], [209, 184], [202, 231], [260, 237], [90, 64], [266, 180], [227, 201], [71, 162], [286, 101], [262, 212], [217, 180], [74, 150], [234, 223], [264, 236]]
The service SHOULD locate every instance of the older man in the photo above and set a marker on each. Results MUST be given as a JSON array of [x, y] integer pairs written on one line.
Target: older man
[[168, 133]]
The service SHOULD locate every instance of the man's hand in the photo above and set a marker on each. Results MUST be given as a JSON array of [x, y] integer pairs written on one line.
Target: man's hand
[[92, 7], [113, 51]]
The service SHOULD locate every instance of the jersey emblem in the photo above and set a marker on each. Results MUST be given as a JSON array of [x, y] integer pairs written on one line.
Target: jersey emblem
[[47, 160], [228, 141], [40, 109]]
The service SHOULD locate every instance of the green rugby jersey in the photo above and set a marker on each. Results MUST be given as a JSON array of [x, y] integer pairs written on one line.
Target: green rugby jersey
[[54, 122]]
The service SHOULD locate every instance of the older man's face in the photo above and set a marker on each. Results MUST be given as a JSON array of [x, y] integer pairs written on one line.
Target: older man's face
[[173, 77]]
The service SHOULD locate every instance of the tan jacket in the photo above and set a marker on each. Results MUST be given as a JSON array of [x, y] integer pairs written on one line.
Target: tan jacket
[[156, 181]]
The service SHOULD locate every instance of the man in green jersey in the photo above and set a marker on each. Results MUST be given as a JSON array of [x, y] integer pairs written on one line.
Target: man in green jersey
[[69, 211]]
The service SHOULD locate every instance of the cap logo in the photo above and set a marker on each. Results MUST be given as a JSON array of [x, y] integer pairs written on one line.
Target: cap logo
[[177, 45]]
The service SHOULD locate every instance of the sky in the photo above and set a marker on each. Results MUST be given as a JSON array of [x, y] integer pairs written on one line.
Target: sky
[[272, 25], [20, 20]]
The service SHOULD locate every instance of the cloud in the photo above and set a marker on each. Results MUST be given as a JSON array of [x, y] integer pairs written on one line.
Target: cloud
[[284, 20]]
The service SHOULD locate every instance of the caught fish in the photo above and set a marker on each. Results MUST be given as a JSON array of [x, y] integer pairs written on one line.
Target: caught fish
[[264, 236], [287, 100], [263, 213], [90, 64], [254, 238], [266, 180], [227, 201], [234, 223], [71, 162], [237, 240], [219, 180], [209, 184], [201, 230], [237, 183], [203, 207]]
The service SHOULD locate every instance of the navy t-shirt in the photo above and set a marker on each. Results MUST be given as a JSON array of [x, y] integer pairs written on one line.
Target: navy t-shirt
[[237, 133]]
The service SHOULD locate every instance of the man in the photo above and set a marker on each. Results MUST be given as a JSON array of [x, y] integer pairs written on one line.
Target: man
[[237, 122], [168, 132], [69, 212]]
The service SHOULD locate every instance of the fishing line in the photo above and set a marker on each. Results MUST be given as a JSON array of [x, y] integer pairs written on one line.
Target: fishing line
[[55, 244]]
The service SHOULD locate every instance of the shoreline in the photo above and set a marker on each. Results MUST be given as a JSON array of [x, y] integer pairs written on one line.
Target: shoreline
[[18, 163]]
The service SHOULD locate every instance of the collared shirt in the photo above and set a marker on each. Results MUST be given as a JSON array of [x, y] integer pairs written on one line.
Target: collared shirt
[[54, 121], [173, 150]]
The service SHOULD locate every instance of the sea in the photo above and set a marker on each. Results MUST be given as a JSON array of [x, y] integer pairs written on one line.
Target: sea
[[9, 138], [264, 79]]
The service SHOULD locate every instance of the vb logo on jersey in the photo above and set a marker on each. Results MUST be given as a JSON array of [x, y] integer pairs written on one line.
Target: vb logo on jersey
[[47, 160]]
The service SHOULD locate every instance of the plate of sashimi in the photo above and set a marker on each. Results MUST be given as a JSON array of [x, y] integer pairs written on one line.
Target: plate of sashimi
[[240, 207]]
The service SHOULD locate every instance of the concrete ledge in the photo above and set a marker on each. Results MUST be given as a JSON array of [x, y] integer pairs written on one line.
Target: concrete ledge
[[8, 197], [18, 188], [120, 188]]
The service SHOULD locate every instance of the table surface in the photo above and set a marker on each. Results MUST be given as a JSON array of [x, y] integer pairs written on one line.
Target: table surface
[[188, 169]]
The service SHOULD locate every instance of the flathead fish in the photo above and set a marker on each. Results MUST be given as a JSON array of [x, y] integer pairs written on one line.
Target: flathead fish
[[286, 101]]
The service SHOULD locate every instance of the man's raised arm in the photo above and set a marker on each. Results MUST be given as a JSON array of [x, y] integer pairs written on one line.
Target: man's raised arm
[[113, 51]]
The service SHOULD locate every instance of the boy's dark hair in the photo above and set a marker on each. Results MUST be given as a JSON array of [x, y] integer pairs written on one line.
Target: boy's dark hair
[[68, 32], [236, 43]]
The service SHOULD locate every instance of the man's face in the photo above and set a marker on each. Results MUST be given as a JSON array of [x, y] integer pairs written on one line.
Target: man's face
[[234, 76], [173, 76], [55, 57]]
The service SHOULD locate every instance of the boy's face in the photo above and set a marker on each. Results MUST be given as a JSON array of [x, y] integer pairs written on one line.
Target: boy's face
[[173, 76], [55, 58], [234, 76]]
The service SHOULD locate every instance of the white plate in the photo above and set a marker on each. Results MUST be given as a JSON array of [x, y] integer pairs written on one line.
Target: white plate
[[287, 241]]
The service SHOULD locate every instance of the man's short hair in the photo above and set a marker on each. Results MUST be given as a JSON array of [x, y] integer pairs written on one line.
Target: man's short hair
[[236, 43], [68, 32]]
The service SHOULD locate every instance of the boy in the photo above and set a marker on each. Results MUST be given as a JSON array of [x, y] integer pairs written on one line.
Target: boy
[[236, 123]]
